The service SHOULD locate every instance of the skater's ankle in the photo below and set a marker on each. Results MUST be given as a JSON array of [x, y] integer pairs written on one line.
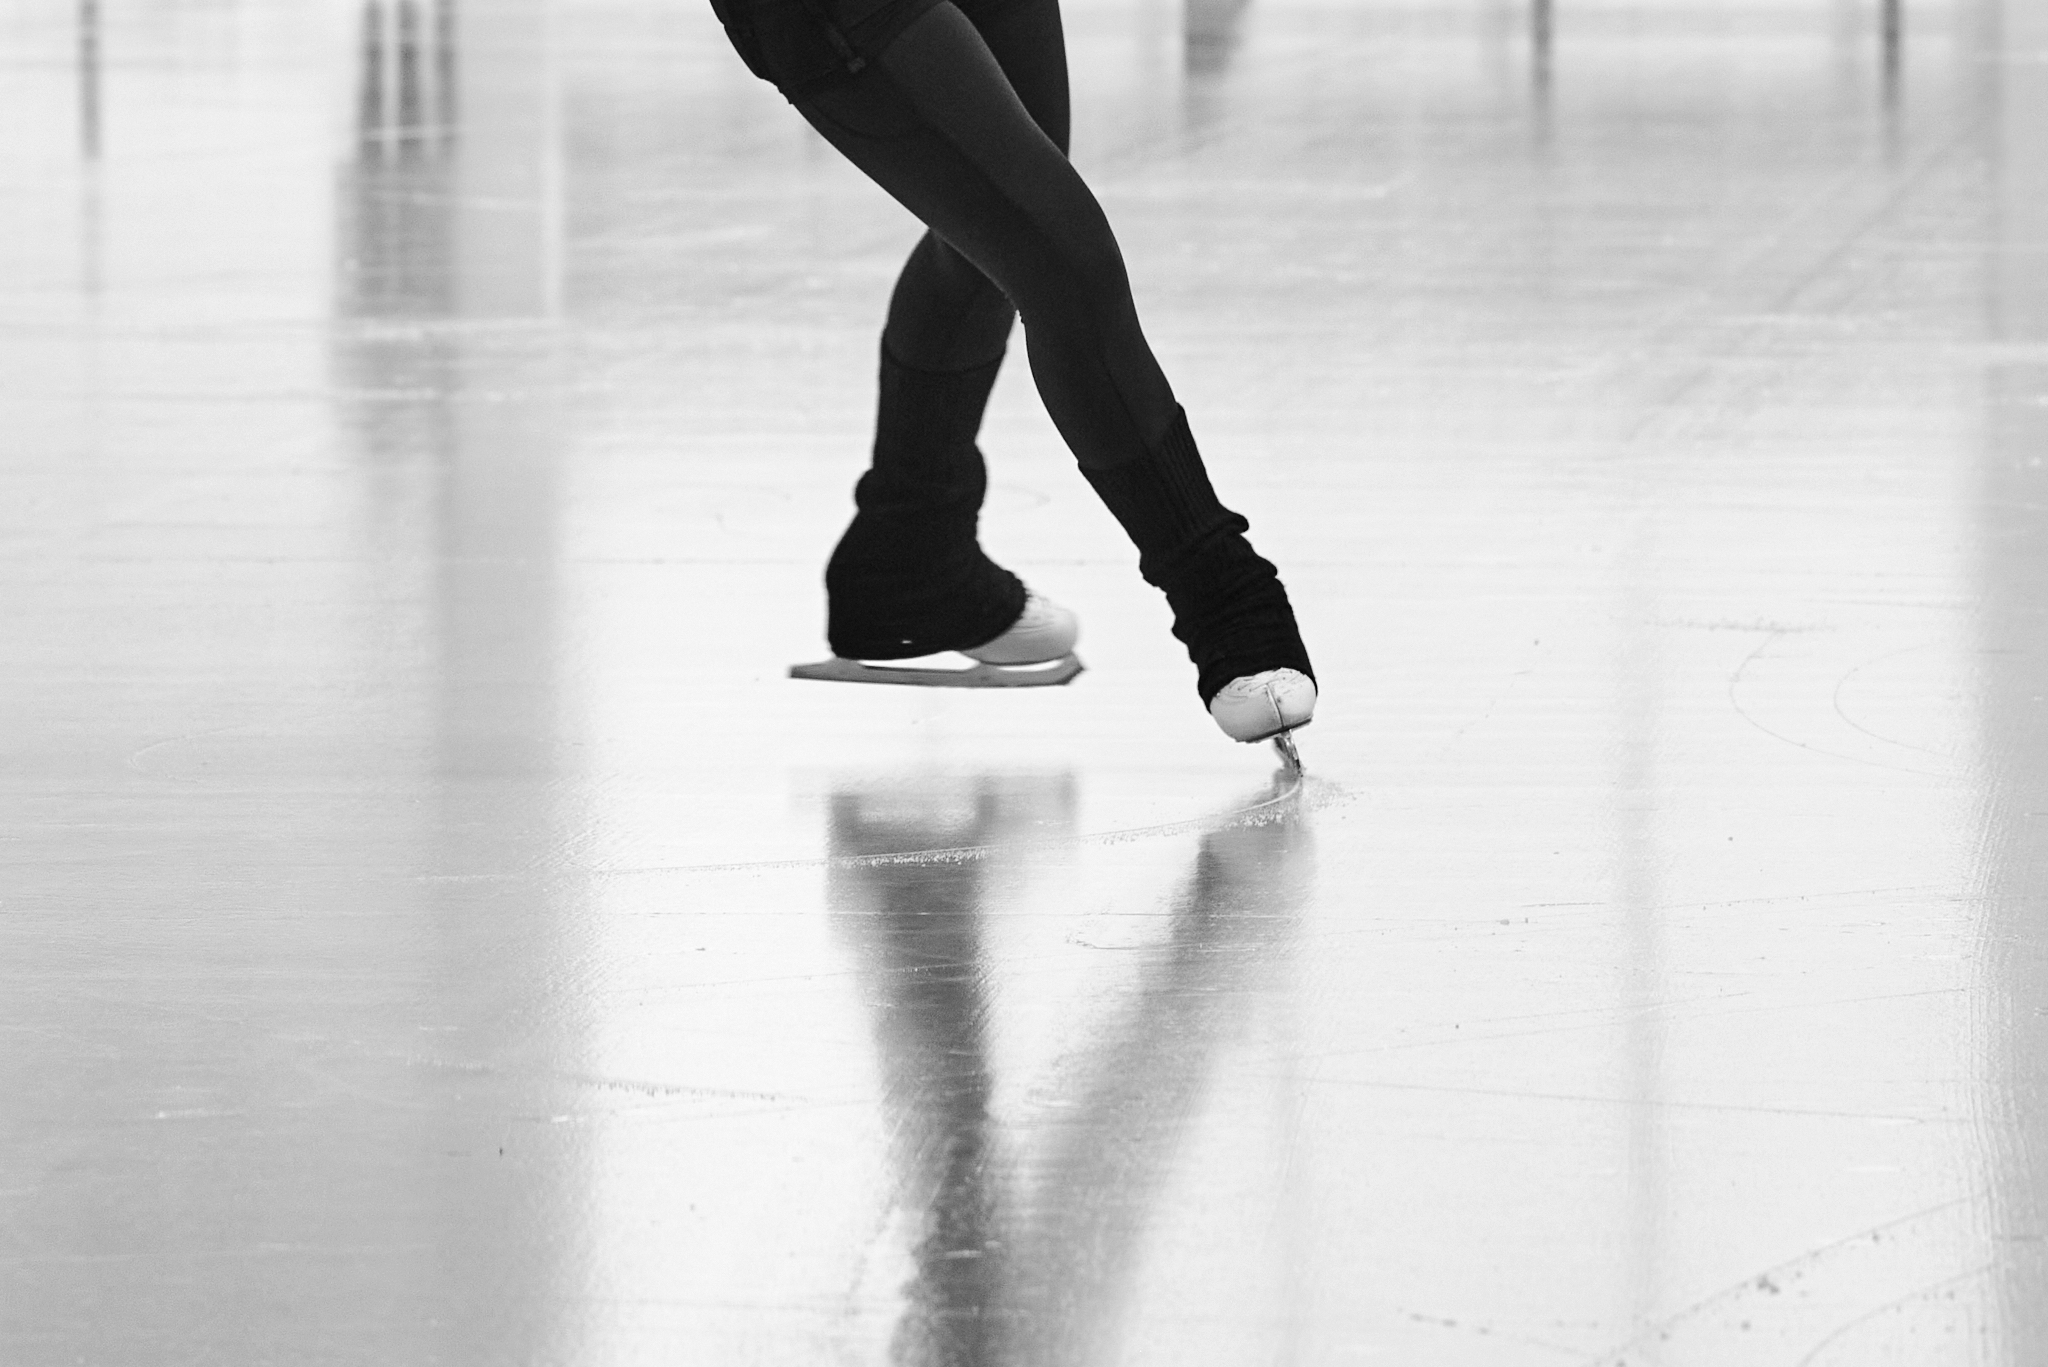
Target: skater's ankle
[[938, 366]]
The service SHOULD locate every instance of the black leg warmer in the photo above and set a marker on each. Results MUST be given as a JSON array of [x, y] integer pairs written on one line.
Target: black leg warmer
[[1229, 607], [909, 577]]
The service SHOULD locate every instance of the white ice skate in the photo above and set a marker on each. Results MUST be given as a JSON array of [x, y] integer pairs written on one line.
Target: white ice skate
[[1037, 652], [1267, 706]]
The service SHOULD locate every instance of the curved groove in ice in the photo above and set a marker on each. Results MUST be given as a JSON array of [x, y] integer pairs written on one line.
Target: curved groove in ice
[[1287, 788]]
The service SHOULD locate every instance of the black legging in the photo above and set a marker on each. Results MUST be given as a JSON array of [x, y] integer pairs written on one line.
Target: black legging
[[965, 122], [960, 112]]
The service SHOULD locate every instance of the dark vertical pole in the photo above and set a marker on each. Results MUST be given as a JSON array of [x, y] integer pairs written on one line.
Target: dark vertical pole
[[1210, 31], [89, 78], [1542, 44], [370, 104], [1891, 75], [410, 113], [92, 233], [1893, 24], [445, 65]]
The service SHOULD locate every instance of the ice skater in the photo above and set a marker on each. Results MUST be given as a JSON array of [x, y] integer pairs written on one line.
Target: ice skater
[[959, 109]]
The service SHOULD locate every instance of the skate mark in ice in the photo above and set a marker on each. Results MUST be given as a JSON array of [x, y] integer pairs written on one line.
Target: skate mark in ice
[[554, 1095], [1314, 794], [1851, 676], [1857, 1264], [145, 760], [1735, 682], [1484, 1331], [1819, 1355], [1679, 1010], [1626, 1102]]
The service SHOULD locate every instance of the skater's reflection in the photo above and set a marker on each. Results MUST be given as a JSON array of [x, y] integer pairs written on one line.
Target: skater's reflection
[[405, 90], [1025, 1226]]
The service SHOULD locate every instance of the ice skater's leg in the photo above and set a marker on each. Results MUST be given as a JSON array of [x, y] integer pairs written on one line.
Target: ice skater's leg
[[909, 576], [946, 315], [937, 124]]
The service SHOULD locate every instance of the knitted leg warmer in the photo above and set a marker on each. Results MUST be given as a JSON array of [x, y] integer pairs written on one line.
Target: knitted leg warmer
[[1229, 606], [909, 576]]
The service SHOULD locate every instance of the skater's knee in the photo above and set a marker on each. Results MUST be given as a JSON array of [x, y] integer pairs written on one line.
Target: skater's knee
[[1081, 285], [947, 260], [1098, 275]]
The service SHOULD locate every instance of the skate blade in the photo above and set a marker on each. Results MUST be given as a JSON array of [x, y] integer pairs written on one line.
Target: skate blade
[[1047, 675], [1284, 743]]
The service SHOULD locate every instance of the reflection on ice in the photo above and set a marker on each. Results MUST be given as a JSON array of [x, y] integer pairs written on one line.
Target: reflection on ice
[[2012, 618], [1025, 1230]]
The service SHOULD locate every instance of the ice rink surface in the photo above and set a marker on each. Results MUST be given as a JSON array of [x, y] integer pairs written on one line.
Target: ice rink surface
[[434, 931]]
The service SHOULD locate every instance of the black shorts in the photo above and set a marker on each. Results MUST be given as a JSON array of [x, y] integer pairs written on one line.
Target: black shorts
[[803, 47]]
